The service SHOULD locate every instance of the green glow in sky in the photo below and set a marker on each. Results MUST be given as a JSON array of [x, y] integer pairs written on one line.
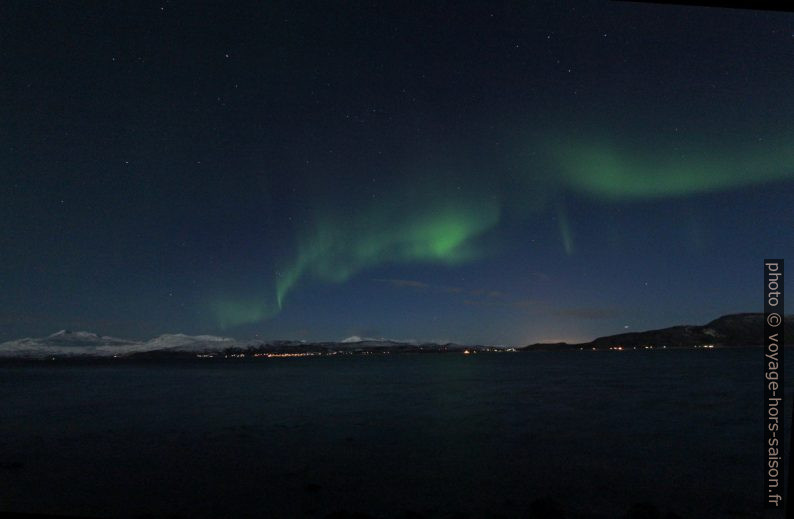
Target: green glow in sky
[[438, 221], [230, 313], [566, 234], [338, 247], [614, 172], [432, 224]]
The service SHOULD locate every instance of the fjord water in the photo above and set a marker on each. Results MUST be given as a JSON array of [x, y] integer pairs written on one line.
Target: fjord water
[[434, 434]]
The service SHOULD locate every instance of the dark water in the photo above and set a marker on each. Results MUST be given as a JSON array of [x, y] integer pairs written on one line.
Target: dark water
[[434, 434]]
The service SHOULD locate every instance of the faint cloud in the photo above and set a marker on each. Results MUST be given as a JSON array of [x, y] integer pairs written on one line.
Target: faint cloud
[[588, 312], [505, 301], [420, 285], [526, 303], [471, 297], [405, 283], [498, 299]]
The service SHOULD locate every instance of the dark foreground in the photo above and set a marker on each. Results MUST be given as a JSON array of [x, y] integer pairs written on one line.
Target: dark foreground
[[587, 434]]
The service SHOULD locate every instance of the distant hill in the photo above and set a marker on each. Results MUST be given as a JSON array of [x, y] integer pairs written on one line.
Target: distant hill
[[727, 331]]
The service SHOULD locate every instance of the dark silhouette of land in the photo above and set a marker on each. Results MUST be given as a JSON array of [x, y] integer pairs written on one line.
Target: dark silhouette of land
[[734, 330]]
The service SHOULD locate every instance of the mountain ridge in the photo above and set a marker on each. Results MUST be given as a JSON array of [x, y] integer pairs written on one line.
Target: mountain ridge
[[731, 330], [80, 344]]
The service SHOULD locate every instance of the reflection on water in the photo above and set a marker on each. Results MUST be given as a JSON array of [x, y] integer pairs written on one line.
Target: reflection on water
[[430, 434]]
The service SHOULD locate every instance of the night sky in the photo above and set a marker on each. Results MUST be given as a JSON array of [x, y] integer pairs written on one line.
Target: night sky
[[497, 174]]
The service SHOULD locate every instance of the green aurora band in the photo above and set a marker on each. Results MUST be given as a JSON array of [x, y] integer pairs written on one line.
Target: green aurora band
[[338, 247], [614, 173], [231, 312], [419, 228], [566, 234]]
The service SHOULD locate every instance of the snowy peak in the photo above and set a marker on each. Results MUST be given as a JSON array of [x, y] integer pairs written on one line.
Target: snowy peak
[[354, 339], [182, 342], [66, 343], [64, 333], [68, 337], [369, 341]]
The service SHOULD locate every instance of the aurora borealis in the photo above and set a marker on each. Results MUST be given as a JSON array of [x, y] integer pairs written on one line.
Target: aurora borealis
[[603, 171], [520, 172]]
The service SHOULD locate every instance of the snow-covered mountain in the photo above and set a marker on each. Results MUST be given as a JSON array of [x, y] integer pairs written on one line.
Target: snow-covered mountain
[[66, 343], [198, 343], [355, 340]]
